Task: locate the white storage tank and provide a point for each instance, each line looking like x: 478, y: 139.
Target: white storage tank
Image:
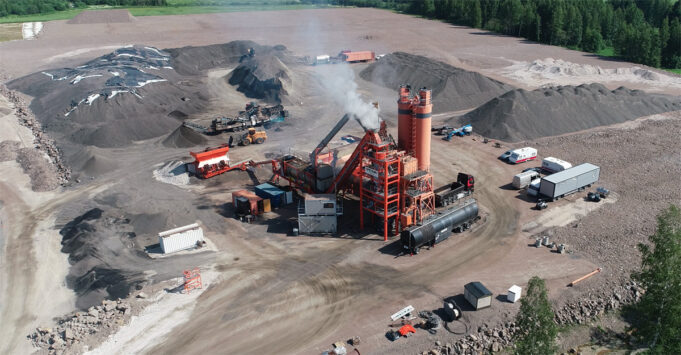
x: 513, y: 294
x: 180, y: 238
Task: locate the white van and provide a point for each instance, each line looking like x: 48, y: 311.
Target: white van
x: 523, y: 180
x: 533, y: 189
x: 554, y: 165
x: 522, y: 155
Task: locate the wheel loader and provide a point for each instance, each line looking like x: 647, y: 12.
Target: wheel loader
x: 253, y: 136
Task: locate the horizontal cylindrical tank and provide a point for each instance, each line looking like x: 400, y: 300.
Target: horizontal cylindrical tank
x: 439, y: 227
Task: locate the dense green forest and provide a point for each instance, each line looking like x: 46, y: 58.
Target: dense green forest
x: 29, y: 7
x: 641, y: 31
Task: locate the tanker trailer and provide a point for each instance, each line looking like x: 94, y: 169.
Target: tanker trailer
x: 439, y: 226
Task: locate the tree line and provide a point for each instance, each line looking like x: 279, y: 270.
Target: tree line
x: 640, y: 31
x: 31, y: 7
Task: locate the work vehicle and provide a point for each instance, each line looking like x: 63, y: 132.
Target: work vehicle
x: 603, y: 192
x: 541, y: 205
x: 462, y: 131
x: 536, y: 168
x: 522, y: 155
x: 523, y: 180
x: 253, y: 136
x: 553, y: 165
x: 593, y: 197
x: 569, y: 181
x: 533, y: 188
x: 439, y: 227
x: 505, y: 155
x: 345, y: 56
x: 253, y: 116
x: 448, y: 194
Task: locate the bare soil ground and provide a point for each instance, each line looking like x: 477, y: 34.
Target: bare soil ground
x: 276, y: 293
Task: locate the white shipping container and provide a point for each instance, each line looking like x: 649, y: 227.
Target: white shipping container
x: 554, y: 165
x: 181, y: 238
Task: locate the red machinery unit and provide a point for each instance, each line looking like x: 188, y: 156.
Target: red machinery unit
x: 355, y: 57
x: 414, y: 124
x: 215, y: 161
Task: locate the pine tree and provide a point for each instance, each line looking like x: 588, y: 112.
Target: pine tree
x: 535, y: 320
x: 658, y: 312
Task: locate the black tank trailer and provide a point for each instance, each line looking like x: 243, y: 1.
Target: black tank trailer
x: 439, y: 226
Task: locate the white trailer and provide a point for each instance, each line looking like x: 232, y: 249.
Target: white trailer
x: 522, y: 155
x: 569, y: 181
x: 523, y: 180
x: 554, y: 165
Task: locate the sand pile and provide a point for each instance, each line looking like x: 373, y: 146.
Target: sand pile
x: 194, y: 60
x: 548, y: 71
x: 8, y: 150
x: 92, y: 161
x: 173, y: 172
x: 184, y: 137
x: 453, y: 88
x: 521, y: 115
x: 111, y: 101
x: 102, y: 16
x: 262, y: 77
x: 38, y: 168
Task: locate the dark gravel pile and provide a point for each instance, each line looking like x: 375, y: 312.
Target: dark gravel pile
x: 184, y: 137
x: 520, y: 114
x: 453, y: 88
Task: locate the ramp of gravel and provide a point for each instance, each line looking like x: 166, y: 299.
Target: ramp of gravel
x: 102, y: 16
x: 453, y: 88
x: 521, y: 115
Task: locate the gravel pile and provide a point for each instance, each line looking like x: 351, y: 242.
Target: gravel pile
x: 174, y: 173
x: 42, y: 141
x: 38, y: 168
x: 453, y: 88
x: 102, y: 16
x: 262, y: 77
x: 184, y: 137
x: 520, y: 114
x: 194, y: 60
x: 8, y: 150
x: 81, y: 328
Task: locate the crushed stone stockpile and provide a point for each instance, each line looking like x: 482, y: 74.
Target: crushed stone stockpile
x: 184, y: 137
x: 38, y: 168
x: 111, y: 101
x: 102, y: 16
x: 262, y: 77
x: 8, y: 150
x: 453, y: 88
x: 521, y: 115
x: 105, y: 247
x: 194, y: 60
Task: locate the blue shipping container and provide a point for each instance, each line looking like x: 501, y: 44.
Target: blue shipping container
x: 276, y: 195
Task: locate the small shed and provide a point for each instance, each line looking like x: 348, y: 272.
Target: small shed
x: 181, y: 238
x: 513, y: 294
x: 477, y: 295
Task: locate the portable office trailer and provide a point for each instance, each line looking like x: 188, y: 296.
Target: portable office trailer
x: 569, y: 181
x: 522, y: 155
x: 181, y: 238
x: 477, y: 295
x: 321, y: 204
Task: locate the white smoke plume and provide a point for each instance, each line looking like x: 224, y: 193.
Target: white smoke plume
x: 339, y: 82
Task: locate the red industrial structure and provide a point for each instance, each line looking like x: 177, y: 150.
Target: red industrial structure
x: 192, y: 280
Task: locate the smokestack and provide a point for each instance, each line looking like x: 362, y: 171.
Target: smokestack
x: 421, y: 124
x: 404, y: 118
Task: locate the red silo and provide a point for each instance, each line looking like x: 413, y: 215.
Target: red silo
x: 422, y: 117
x: 404, y: 120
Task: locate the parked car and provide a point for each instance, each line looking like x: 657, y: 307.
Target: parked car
x: 536, y: 169
x: 506, y: 155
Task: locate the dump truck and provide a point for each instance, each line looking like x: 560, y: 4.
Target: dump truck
x: 569, y: 181
x: 253, y: 116
x: 448, y: 194
x: 253, y: 137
